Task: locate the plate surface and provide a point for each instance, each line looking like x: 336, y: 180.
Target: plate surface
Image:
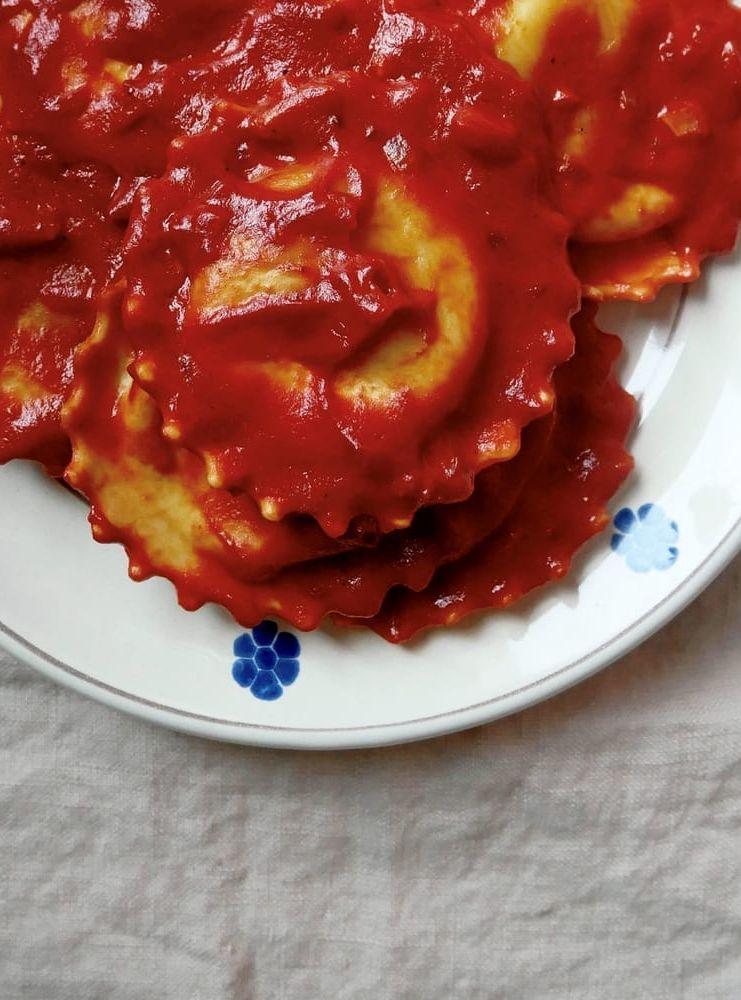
x: 68, y: 608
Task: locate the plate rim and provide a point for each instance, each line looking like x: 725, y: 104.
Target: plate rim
x: 392, y: 733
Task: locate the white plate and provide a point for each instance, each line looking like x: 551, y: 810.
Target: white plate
x: 68, y: 608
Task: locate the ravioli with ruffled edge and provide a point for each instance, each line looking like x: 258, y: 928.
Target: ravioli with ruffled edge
x: 563, y: 505
x: 313, y: 243
x: 333, y: 293
x: 90, y: 97
x: 153, y: 496
x: 643, y: 101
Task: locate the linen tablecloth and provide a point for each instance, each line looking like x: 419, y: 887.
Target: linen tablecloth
x: 589, y: 847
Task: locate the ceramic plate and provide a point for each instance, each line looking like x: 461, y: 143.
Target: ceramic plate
x: 68, y: 608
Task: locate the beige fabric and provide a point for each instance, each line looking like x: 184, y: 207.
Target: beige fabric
x: 589, y: 848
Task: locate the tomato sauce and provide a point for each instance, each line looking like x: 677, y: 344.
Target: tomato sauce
x: 342, y: 231
x: 563, y: 505
x: 146, y: 493
x: 58, y: 248
x: 646, y: 136
x: 347, y: 166
x: 76, y: 139
x: 112, y: 84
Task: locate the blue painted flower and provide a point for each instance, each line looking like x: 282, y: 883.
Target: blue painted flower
x: 646, y: 539
x: 267, y: 661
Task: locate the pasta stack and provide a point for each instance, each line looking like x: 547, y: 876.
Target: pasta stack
x: 301, y: 297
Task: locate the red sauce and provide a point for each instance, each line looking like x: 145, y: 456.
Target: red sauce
x: 406, y: 101
x: 113, y: 424
x: 57, y: 74
x: 562, y: 507
x: 137, y: 137
x: 518, y: 531
x: 420, y: 101
x: 667, y: 111
x: 297, y: 571
x: 665, y: 104
x: 677, y: 63
x: 57, y: 249
x: 73, y: 149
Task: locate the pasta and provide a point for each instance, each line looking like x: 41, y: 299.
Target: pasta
x: 153, y: 496
x: 301, y: 296
x: 400, y: 301
x: 56, y: 250
x: 643, y: 101
x: 585, y: 464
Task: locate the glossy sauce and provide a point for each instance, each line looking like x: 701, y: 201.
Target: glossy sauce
x: 562, y: 507
x: 58, y: 247
x: 283, y: 319
x: 74, y: 145
x: 147, y: 493
x: 646, y: 136
x: 139, y: 138
x: 411, y: 100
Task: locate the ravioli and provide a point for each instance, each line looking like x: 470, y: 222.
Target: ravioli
x: 643, y: 100
x: 563, y: 506
x: 56, y: 250
x: 154, y: 497
x: 312, y: 317
x: 91, y: 93
x: 107, y: 80
x: 288, y: 289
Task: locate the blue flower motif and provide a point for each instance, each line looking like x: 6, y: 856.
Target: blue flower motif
x: 267, y: 661
x: 646, y: 539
